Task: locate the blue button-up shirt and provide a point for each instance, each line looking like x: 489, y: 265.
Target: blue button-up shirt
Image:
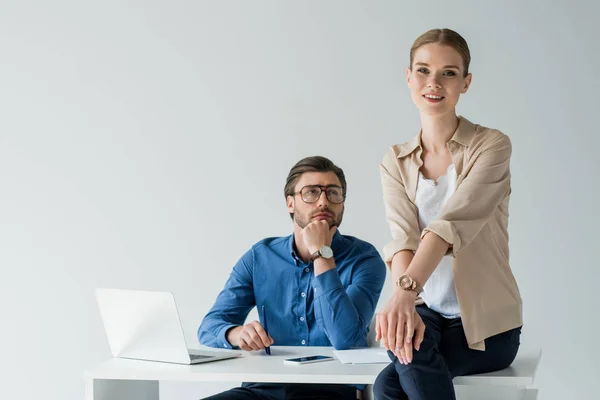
x: 334, y: 308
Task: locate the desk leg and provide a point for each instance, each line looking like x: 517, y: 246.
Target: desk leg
x: 367, y: 394
x: 113, y: 389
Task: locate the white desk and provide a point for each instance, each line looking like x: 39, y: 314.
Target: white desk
x: 117, y: 379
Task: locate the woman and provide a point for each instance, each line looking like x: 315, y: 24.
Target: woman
x: 455, y: 308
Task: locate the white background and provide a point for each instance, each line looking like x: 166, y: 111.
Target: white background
x: 145, y: 144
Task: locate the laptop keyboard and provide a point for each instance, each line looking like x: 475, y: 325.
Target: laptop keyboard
x: 198, y: 357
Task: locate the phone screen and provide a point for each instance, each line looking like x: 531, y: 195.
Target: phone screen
x: 311, y: 358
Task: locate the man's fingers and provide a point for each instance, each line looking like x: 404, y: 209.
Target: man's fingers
x: 265, y: 339
x: 257, y: 341
x: 332, y: 231
x: 262, y: 335
x: 244, y: 345
x: 248, y: 340
x: 253, y: 339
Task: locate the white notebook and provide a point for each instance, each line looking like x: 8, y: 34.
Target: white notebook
x: 370, y: 355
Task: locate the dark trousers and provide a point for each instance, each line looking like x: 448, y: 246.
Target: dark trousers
x: 287, y: 391
x: 443, y: 355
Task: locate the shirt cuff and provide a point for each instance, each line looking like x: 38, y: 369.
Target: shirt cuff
x: 396, y: 246
x: 446, y: 231
x: 222, y: 341
x: 326, y: 282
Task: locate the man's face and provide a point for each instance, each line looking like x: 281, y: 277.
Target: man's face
x: 322, y: 208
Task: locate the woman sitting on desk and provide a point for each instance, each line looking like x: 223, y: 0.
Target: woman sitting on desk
x: 446, y: 196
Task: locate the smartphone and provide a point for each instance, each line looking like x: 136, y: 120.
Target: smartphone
x: 307, y: 360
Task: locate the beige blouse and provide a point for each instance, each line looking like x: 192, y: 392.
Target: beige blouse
x: 474, y: 221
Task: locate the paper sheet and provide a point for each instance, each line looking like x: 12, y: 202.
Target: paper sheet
x: 370, y: 355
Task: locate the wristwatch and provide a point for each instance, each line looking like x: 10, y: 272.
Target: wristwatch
x: 324, y: 251
x: 407, y: 283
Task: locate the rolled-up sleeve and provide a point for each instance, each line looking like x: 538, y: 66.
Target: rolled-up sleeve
x: 469, y: 208
x: 401, y: 213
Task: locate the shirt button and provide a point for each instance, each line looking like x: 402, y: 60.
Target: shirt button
x: 301, y: 318
x: 303, y: 294
x: 306, y: 269
x: 315, y: 289
x: 224, y: 345
x: 303, y: 341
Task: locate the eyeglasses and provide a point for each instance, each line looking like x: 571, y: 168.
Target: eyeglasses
x: 312, y: 193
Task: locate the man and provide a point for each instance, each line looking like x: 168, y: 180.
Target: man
x: 317, y: 286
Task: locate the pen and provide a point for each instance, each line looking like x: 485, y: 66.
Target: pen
x: 264, y: 317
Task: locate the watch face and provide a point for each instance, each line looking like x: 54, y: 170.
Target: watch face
x: 326, y: 252
x: 406, y: 282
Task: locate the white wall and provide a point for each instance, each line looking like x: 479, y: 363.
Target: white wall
x: 146, y: 144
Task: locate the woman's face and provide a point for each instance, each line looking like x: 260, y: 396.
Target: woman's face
x: 436, y: 79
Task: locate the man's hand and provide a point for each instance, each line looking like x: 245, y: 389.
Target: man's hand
x: 251, y: 336
x: 317, y: 234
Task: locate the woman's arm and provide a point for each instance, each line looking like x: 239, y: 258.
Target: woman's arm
x: 427, y: 258
x: 401, y: 213
x: 403, y: 221
x: 400, y: 263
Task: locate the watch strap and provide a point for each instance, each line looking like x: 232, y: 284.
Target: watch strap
x: 316, y: 255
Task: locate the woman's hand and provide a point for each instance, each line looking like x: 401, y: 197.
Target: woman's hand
x: 400, y: 326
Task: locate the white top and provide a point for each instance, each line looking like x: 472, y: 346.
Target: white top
x: 439, y: 293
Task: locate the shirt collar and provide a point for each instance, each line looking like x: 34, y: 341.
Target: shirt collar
x: 295, y: 258
x: 464, y: 132
x: 463, y: 135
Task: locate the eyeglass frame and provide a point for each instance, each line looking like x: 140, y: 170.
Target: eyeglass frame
x: 322, y: 190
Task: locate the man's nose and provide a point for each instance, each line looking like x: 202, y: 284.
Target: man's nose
x: 323, y: 200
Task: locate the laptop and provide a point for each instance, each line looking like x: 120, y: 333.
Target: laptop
x: 145, y: 325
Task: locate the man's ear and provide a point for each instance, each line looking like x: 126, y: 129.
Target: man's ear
x: 290, y: 204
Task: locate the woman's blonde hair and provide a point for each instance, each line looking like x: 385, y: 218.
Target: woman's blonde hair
x: 445, y: 37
